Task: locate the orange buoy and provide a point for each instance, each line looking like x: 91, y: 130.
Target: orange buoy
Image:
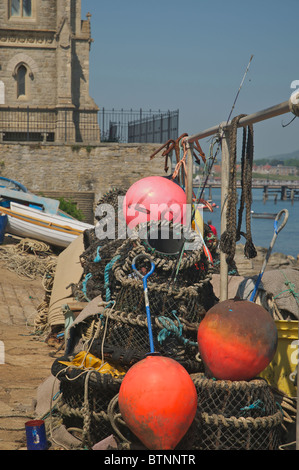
x: 154, y: 198
x: 158, y: 402
x: 237, y: 339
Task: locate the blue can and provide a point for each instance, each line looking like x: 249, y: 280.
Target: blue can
x: 36, y: 435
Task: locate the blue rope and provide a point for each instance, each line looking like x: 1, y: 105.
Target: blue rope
x: 258, y: 404
x: 97, y: 258
x: 86, y: 279
x: 106, y: 276
x: 171, y: 328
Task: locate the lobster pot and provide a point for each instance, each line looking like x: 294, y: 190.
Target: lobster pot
x: 125, y: 338
x: 182, y: 274
x: 85, y: 396
x: 170, y: 301
x: 176, y: 307
x: 100, y: 244
x: 95, y: 260
x: 237, y: 415
x: 175, y: 251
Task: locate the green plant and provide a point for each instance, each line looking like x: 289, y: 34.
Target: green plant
x: 70, y: 207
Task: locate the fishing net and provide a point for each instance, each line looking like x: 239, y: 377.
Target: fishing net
x: 237, y: 415
x: 85, y: 395
x: 179, y: 293
x: 100, y: 245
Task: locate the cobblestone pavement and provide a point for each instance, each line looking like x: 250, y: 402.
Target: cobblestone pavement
x: 19, y: 301
x: 25, y: 360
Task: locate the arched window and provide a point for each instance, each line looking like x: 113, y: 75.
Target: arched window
x: 21, y: 8
x: 21, y: 81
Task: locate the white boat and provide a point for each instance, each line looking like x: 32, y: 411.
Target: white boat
x: 54, y: 229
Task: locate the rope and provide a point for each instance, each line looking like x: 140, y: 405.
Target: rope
x: 260, y: 422
x: 291, y: 289
x: 232, y: 233
x: 98, y: 257
x: 84, y: 283
x: 106, y: 277
x: 257, y: 405
x: 182, y: 162
x: 246, y: 195
x: 28, y: 259
x: 171, y: 328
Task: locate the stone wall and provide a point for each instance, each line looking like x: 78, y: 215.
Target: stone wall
x: 78, y: 168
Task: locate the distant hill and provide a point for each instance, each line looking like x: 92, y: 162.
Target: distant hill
x: 288, y: 159
x: 282, y: 156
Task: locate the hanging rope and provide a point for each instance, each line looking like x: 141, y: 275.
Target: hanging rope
x: 246, y: 195
x: 233, y: 229
x: 182, y: 161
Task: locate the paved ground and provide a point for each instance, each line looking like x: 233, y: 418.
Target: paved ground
x: 26, y: 362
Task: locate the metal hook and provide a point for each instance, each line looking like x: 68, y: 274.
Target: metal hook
x: 276, y: 232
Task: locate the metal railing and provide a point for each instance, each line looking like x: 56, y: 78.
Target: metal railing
x: 138, y: 126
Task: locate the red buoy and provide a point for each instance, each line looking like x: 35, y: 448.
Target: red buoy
x: 158, y: 402
x: 237, y: 339
x: 154, y: 198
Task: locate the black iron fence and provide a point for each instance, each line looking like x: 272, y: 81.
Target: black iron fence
x: 51, y: 124
x: 138, y: 126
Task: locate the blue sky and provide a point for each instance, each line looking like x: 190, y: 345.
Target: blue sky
x: 191, y: 55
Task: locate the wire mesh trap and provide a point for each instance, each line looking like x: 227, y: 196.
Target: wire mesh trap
x: 176, y: 306
x: 99, y: 251
x: 85, y: 396
x: 237, y: 415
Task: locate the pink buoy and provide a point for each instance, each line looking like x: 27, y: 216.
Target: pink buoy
x: 158, y: 402
x: 154, y: 198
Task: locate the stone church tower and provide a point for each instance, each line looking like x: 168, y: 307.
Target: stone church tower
x: 44, y: 72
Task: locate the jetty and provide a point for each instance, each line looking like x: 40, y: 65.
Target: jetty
x: 284, y: 189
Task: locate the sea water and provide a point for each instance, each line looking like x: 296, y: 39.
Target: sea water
x: 262, y: 230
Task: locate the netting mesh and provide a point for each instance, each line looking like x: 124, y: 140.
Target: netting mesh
x: 179, y: 294
x: 98, y: 252
x: 237, y: 415
x: 86, y: 395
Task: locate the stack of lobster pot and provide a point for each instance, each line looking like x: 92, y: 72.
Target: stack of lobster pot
x: 179, y: 294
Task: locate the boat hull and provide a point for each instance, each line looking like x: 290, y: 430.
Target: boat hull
x: 52, y: 229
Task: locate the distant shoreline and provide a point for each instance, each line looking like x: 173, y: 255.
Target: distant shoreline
x: 256, y: 183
